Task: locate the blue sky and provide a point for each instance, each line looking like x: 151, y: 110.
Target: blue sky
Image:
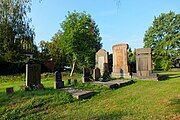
x: 119, y: 22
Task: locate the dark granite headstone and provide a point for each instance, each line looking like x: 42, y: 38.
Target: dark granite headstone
x: 10, y: 90
x: 33, y: 75
x: 58, y: 80
x: 96, y: 74
x: 86, y: 75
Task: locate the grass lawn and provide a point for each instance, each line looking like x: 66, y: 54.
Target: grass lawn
x: 144, y: 100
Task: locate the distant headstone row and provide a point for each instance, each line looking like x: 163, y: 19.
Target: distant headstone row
x: 120, y: 68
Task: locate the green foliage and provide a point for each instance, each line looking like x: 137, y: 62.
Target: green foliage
x: 44, y: 53
x: 164, y: 39
x: 80, y: 39
x: 131, y: 60
x: 139, y: 101
x: 131, y: 56
x: 55, y: 49
x: 16, y: 36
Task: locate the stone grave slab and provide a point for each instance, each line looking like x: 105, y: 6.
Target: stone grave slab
x: 79, y: 94
x: 110, y: 85
x: 114, y: 83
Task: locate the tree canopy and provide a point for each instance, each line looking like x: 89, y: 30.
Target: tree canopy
x: 80, y: 39
x: 16, y: 35
x: 164, y: 39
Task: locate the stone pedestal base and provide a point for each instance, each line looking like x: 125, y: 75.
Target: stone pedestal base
x: 144, y: 73
x: 59, y: 85
x: 85, y: 79
x: 151, y: 76
x: 120, y: 75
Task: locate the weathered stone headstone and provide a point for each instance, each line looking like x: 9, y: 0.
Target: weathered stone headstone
x: 143, y: 62
x: 102, y: 61
x: 58, y: 80
x: 96, y: 74
x: 144, y: 66
x: 106, y: 67
x: 120, y: 61
x: 86, y: 75
x: 10, y: 90
x: 33, y: 75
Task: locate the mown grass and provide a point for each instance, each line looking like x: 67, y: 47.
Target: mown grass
x: 144, y: 100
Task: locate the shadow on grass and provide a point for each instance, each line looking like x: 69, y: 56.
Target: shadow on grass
x: 109, y: 116
x: 175, y: 103
x: 29, y: 103
x: 131, y: 82
x: 21, y: 95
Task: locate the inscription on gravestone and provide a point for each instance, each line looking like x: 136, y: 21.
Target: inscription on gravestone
x: 58, y: 80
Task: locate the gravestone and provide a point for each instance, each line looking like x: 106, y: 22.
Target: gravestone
x: 144, y: 66
x: 143, y: 62
x: 96, y: 74
x: 120, y: 61
x: 10, y: 90
x: 102, y: 61
x: 86, y: 75
x: 78, y: 93
x: 58, y: 84
x: 33, y: 75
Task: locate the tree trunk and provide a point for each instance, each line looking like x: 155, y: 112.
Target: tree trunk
x: 72, y: 70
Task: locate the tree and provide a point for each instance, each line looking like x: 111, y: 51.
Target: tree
x: 16, y: 36
x: 164, y: 39
x: 132, y: 60
x: 44, y: 50
x: 131, y: 56
x: 55, y: 48
x: 80, y: 39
